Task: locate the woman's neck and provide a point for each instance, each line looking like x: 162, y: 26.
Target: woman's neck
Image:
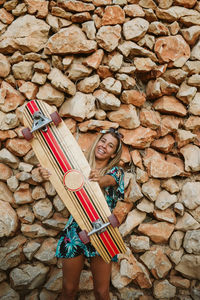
x: 100, y: 164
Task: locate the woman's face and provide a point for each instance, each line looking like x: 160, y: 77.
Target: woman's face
x: 106, y: 147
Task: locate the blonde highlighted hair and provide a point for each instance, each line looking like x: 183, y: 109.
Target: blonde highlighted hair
x: 113, y: 161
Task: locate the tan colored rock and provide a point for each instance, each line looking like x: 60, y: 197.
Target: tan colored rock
x: 125, y: 116
x: 32, y: 37
x: 117, y: 279
x: 121, y: 210
x: 152, y: 259
x: 96, y: 125
x: 150, y: 118
x: 61, y: 82
x: 140, y: 137
x: 130, y: 48
x: 189, y: 266
x: 108, y: 37
x: 94, y: 60
x: 113, y: 15
x: 191, y: 155
x: 5, y: 16
x: 29, y: 90
x: 165, y: 200
x: 184, y: 137
x: 191, y: 34
x: 25, y: 214
x: 36, y: 230
x: 186, y: 93
x: 8, y: 158
x: 139, y: 243
x: 164, y: 144
x: 163, y: 289
x: 76, y: 6
x: 158, y: 28
x: 151, y: 189
x: 5, y: 172
x: 176, y: 240
x: 74, y: 39
x: 167, y: 215
x: 107, y: 101
x: 4, y: 66
x: 18, y: 147
x: 166, y: 50
x: 133, y: 190
x: 11, y: 253
x: 192, y: 123
x: 39, y: 78
x: 137, y: 159
x: 133, y: 97
x: 186, y: 222
x: 145, y: 206
x: 12, y: 98
x: 169, y: 104
x: 185, y: 3
x: 90, y: 30
x: 43, y: 209
x: 192, y: 67
x: 111, y: 85
x: 127, y: 82
x: 31, y: 275
x: 191, y: 242
x: 50, y: 95
x: 79, y: 107
x: 134, y: 218
x: 176, y: 76
x: 134, y: 10
x: 194, y: 106
x: 46, y: 253
x: 160, y: 168
x: 135, y: 29
x: 169, y: 124
x: 8, y: 220
x: 38, y: 7
x: 23, y: 194
x: 6, y: 291
x: 80, y: 17
x: 190, y: 195
x: 174, y: 13
x: 89, y: 84
x: 179, y: 282
x: 141, y: 176
x: 170, y: 185
x: 158, y: 232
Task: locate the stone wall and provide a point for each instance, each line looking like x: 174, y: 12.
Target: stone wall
x: 132, y: 64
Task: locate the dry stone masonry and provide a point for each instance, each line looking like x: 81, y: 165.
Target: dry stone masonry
x: 129, y: 64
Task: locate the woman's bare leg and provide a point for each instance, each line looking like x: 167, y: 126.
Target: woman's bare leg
x: 101, y: 272
x: 72, y: 268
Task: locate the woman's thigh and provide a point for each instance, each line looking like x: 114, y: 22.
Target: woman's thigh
x: 72, y: 268
x: 101, y: 272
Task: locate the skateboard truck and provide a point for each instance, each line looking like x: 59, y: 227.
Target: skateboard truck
x: 98, y: 227
x: 40, y: 121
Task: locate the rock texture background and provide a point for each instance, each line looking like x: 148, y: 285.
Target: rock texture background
x: 132, y: 64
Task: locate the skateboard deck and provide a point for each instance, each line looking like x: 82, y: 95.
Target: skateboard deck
x: 58, y: 151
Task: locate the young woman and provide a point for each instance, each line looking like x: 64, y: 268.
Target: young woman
x: 103, y: 158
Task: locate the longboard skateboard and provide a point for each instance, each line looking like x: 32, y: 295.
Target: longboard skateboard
x: 58, y: 151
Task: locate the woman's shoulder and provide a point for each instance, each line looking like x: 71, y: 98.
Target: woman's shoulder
x: 116, y: 170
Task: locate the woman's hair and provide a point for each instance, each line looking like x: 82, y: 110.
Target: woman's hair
x: 113, y: 161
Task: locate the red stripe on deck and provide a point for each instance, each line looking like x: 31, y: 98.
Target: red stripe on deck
x: 110, y: 245
x: 86, y: 202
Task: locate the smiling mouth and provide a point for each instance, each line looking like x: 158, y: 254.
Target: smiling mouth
x: 100, y: 151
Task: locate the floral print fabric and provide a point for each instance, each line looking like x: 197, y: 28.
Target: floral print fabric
x: 69, y: 244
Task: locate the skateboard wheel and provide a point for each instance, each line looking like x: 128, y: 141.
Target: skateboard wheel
x: 27, y: 134
x: 55, y: 118
x: 83, y: 235
x: 113, y: 221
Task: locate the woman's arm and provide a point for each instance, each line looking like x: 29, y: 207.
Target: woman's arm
x: 103, y: 181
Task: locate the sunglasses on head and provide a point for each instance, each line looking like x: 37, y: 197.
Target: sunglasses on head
x: 113, y: 131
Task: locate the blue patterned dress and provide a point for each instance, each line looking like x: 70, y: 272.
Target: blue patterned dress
x: 69, y: 244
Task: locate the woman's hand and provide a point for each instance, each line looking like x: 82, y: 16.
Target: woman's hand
x: 94, y: 175
x: 45, y: 173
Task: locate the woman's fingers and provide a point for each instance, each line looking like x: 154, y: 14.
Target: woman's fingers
x: 45, y: 173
